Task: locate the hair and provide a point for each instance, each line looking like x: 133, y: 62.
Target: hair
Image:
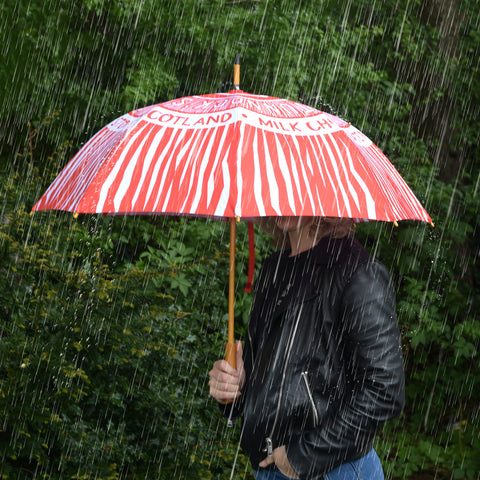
x: 321, y: 227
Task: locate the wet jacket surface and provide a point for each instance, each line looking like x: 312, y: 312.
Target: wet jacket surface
x: 322, y: 357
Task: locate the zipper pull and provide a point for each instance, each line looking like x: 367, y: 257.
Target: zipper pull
x: 269, y: 447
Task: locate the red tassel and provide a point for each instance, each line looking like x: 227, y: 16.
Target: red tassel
x: 251, y: 258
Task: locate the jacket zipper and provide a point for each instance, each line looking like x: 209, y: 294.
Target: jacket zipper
x: 310, y: 396
x: 269, y: 444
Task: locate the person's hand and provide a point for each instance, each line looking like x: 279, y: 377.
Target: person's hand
x: 279, y: 457
x: 226, y: 383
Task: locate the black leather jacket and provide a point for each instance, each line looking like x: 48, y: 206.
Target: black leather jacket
x: 322, y: 357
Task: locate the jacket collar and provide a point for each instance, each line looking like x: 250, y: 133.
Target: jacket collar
x: 329, y: 250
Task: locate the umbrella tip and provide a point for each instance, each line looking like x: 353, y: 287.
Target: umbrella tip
x: 236, y: 72
x: 432, y: 224
x: 75, y: 215
x: 395, y: 223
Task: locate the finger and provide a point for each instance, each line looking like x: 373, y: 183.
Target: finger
x: 266, y: 462
x: 222, y: 377
x: 223, y: 395
x: 239, y: 352
x: 223, y: 398
x: 224, y: 386
x: 224, y: 366
x: 224, y: 390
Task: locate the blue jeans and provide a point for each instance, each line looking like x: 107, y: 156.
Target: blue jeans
x: 365, y: 468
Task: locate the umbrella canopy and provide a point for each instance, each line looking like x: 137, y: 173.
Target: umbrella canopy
x: 232, y: 155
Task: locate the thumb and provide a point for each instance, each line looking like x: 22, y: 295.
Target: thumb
x: 240, y: 369
x: 239, y: 348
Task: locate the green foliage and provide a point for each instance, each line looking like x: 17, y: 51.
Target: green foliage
x: 109, y: 326
x: 102, y: 374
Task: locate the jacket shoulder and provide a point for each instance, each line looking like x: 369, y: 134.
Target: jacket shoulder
x: 342, y: 252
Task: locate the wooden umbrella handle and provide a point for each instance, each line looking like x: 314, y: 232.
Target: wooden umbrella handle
x: 230, y: 349
x: 231, y: 354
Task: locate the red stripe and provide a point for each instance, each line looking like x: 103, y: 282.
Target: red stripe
x: 92, y: 195
x: 249, y: 174
x: 214, y: 170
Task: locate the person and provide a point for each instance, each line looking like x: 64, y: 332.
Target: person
x: 322, y: 366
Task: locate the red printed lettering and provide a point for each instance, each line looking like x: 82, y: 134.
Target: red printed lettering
x: 264, y: 123
x: 319, y: 124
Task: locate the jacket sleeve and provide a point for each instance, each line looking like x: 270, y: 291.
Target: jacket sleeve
x: 375, y: 366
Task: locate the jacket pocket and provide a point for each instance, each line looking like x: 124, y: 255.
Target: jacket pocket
x: 310, y: 398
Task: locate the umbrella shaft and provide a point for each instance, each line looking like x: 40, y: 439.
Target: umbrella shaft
x: 231, y: 285
x: 230, y: 350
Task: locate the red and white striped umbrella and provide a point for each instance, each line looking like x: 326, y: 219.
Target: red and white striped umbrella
x: 232, y: 155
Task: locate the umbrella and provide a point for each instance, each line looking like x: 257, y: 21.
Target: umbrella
x: 232, y: 156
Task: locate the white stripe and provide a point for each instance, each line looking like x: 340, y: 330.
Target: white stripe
x: 337, y: 183
x: 193, y: 163
x: 83, y: 174
x: 211, y: 183
x: 293, y: 167
x: 158, y: 167
x: 342, y: 165
x: 383, y: 180
x: 257, y: 180
x: 238, y: 205
x: 152, y: 149
x: 321, y: 161
x: 368, y: 197
x: 223, y: 201
x: 203, y: 166
x: 305, y: 177
x: 271, y: 180
x: 115, y: 171
x: 127, y: 176
x: 282, y: 162
x: 78, y: 171
x: 158, y: 162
